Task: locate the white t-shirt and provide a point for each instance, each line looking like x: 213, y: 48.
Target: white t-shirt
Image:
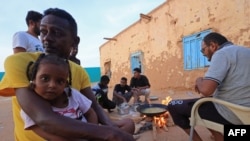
x: 27, y: 41
x: 78, y: 105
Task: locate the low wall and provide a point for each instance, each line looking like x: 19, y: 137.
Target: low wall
x: 93, y: 72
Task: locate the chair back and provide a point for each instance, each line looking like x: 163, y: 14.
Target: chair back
x: 242, y: 112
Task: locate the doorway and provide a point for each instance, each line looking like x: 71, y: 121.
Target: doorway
x: 136, y: 61
x: 107, y: 69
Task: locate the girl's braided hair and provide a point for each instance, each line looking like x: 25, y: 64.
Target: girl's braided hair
x: 33, y: 67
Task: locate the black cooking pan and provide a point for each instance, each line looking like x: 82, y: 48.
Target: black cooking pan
x: 152, y: 109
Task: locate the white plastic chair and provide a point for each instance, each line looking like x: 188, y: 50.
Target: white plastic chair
x: 243, y: 113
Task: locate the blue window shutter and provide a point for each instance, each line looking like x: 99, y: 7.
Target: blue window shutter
x: 193, y: 58
x: 202, y: 59
x: 190, y: 53
x: 135, y: 60
x: 187, y: 55
x: 193, y: 48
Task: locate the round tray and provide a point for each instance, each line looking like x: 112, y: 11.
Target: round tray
x: 153, y: 97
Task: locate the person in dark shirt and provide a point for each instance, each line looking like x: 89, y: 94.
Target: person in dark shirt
x: 122, y: 92
x: 101, y: 92
x: 140, y: 86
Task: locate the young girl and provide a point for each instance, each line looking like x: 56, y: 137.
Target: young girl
x: 50, y: 78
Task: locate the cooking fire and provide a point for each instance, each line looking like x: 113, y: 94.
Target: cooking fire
x: 154, y: 116
x: 161, y: 121
x: 154, y: 123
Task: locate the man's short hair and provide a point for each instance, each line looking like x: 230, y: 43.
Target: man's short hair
x: 137, y: 70
x: 215, y: 37
x: 105, y: 78
x: 33, y: 16
x: 64, y: 15
x: 124, y: 78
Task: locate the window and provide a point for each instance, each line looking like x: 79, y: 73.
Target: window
x: 193, y: 58
x: 136, y: 60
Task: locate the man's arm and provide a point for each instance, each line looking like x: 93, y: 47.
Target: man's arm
x: 91, y: 116
x: 132, y: 84
x: 18, y: 49
x: 205, y: 87
x: 115, y: 93
x: 46, y: 135
x: 128, y: 88
x: 119, y: 96
x: 41, y: 113
x: 145, y: 83
x: 102, y: 117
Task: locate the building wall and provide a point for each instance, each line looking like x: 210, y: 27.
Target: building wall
x: 160, y: 39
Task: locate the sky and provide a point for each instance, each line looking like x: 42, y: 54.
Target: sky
x: 96, y: 19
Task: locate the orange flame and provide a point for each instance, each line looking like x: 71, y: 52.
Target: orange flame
x: 166, y: 100
x: 160, y: 121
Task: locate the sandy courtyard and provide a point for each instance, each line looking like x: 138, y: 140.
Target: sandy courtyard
x: 174, y: 133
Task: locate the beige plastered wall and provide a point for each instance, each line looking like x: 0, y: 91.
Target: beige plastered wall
x: 160, y: 39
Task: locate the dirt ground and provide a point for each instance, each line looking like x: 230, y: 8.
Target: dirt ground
x: 174, y: 133
x: 6, y: 120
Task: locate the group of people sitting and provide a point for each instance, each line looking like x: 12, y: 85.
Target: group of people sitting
x: 50, y: 93
x: 122, y: 93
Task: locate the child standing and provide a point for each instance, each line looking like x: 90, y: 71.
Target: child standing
x: 50, y: 78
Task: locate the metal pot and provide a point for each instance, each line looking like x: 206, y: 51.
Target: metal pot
x: 123, y: 109
x: 145, y: 108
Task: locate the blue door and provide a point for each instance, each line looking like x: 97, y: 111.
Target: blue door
x: 136, y: 61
